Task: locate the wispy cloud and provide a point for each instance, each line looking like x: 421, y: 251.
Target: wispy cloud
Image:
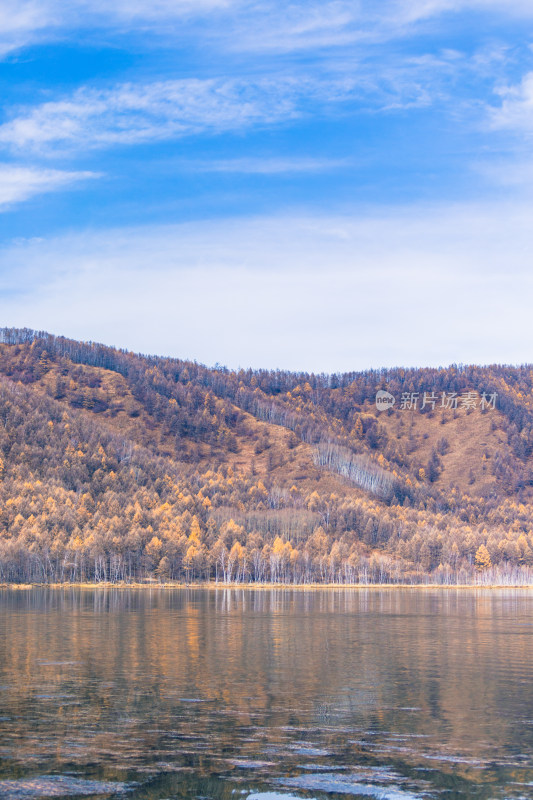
x: 281, y: 27
x: 516, y: 109
x: 410, y: 11
x: 19, y: 22
x: 19, y: 183
x: 514, y: 173
x: 278, y: 27
x: 23, y: 22
x: 270, y: 25
x: 137, y: 113
x: 413, y: 286
x: 232, y: 24
x: 157, y: 9
x: 269, y: 166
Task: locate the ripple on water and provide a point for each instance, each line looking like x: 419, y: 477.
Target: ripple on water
x: 379, y: 783
x: 57, y: 786
x: 272, y: 796
x: 305, y: 749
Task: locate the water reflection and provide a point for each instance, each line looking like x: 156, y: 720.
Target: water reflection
x: 229, y: 692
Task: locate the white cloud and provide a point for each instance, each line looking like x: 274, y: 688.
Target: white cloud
x: 24, y: 22
x: 234, y: 24
x: 277, y: 27
x: 280, y: 27
x: 164, y: 110
x: 516, y: 109
x: 18, y: 183
x: 19, y: 22
x: 410, y: 11
x: 269, y: 166
x: 156, y: 9
x: 418, y: 286
x: 267, y: 25
x: 131, y: 114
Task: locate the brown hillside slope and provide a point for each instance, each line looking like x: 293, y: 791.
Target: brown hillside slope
x: 305, y: 461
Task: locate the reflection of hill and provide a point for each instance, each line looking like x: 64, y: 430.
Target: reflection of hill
x: 118, y: 682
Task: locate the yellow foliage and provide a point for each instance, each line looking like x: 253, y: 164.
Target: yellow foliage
x: 482, y: 559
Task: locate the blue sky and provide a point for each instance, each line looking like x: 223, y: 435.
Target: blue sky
x: 322, y: 186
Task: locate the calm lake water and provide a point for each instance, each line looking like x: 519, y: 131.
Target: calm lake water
x: 265, y: 695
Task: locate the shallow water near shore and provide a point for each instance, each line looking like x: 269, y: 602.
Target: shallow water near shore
x: 266, y: 695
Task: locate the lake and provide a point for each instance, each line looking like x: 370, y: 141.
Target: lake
x: 266, y: 694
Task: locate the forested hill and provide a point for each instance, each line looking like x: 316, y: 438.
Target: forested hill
x: 116, y: 466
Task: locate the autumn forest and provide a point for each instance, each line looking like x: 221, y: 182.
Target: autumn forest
x: 117, y: 467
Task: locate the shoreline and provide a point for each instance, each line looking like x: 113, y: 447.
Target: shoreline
x: 263, y: 586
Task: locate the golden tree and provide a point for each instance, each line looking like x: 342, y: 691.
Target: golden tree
x: 482, y: 559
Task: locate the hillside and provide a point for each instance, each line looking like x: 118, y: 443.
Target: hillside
x: 117, y: 466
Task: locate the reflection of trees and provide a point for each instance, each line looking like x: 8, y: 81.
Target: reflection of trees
x: 122, y: 672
